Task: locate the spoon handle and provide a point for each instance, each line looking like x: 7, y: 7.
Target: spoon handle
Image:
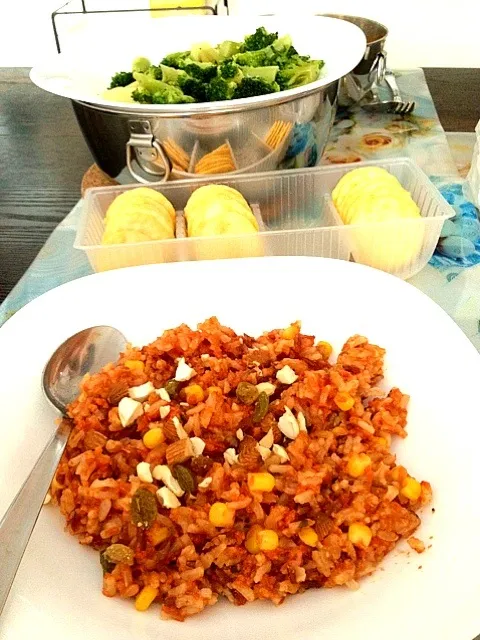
x: 18, y: 522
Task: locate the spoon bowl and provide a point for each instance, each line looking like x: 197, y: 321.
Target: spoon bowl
x: 85, y: 352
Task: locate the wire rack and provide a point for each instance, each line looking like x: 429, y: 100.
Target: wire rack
x: 79, y: 7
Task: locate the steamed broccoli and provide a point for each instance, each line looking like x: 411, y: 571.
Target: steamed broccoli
x: 250, y: 87
x: 261, y: 58
x: 142, y: 96
x: 298, y: 73
x: 259, y: 40
x: 155, y: 91
x: 121, y: 79
x: 229, y: 70
x: 227, y: 49
x: 269, y: 74
x: 176, y: 60
x: 171, y: 75
x: 204, y: 52
x: 220, y: 89
x: 203, y: 71
x: 194, y: 88
x: 141, y: 64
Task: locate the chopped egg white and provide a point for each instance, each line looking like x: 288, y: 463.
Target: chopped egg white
x: 266, y: 387
x: 286, y: 375
x: 267, y: 440
x: 198, y: 445
x: 239, y: 434
x: 281, y: 452
x: 141, y: 392
x: 163, y: 394
x: 184, y: 372
x: 162, y: 472
x: 129, y: 410
x: 143, y: 472
x: 206, y: 482
x: 181, y: 433
x: 288, y: 424
x: 230, y: 456
x: 263, y: 451
x: 302, y: 423
x: 47, y: 499
x: 167, y: 498
x: 164, y: 411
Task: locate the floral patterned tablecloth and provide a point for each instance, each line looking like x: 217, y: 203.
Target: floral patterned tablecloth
x: 452, y: 278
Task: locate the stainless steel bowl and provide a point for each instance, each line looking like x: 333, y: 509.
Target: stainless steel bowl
x: 140, y: 140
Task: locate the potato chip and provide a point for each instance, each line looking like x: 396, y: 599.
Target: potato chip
x: 219, y: 208
x: 210, y: 192
x: 232, y: 224
x: 177, y: 155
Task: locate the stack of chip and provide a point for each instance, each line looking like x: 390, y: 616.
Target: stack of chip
x: 219, y: 160
x: 139, y: 215
x: 277, y: 133
x: 178, y: 157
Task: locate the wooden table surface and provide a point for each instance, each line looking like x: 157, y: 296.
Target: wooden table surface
x: 43, y: 157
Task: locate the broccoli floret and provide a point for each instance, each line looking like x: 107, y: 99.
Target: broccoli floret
x: 229, y: 70
x: 227, y: 49
x: 269, y: 74
x: 282, y: 44
x: 220, y: 89
x: 262, y: 58
x: 143, y: 96
x: 296, y: 75
x: 204, y: 52
x: 250, y: 87
x: 170, y: 95
x: 259, y: 40
x: 141, y: 64
x: 121, y: 79
x: 194, y: 88
x: 171, y: 75
x: 176, y: 60
x: 203, y: 71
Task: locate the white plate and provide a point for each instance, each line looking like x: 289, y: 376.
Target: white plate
x: 85, y: 74
x: 57, y: 592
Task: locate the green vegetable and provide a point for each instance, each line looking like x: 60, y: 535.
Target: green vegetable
x: 268, y: 74
x: 172, y: 75
x: 220, y: 89
x: 204, y: 52
x: 143, y: 509
x: 141, y: 64
x: 298, y: 73
x: 246, y: 393
x: 261, y: 408
x: 250, y: 87
x: 227, y: 49
x: 121, y: 79
x: 263, y: 63
x: 259, y: 40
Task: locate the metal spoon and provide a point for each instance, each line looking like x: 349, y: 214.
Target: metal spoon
x: 85, y: 352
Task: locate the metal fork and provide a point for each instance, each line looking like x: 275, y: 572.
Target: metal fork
x: 397, y: 105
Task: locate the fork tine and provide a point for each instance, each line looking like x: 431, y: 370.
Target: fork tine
x: 412, y: 107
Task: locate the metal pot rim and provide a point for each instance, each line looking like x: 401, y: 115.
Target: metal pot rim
x: 345, y: 16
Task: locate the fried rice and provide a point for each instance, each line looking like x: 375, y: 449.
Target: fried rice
x: 247, y: 492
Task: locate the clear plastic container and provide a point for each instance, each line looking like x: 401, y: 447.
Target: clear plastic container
x: 298, y: 217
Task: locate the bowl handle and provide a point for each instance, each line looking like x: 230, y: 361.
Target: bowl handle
x: 143, y: 142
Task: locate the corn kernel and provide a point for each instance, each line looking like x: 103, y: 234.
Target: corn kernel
x: 291, y: 332
x: 399, y: 474
x: 220, y: 515
x: 252, y: 543
x: 357, y: 464
x: 381, y: 442
x: 359, y: 534
x: 145, y: 598
x: 135, y: 365
x: 194, y: 394
x: 267, y: 540
x: 262, y: 481
x: 308, y: 536
x: 411, y: 489
x: 344, y: 401
x: 325, y: 349
x: 153, y: 438
x: 157, y: 534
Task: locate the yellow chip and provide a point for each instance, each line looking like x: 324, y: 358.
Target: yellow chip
x: 142, y: 220
x: 178, y: 156
x: 232, y: 224
x: 224, y: 208
x: 210, y: 192
x: 362, y: 175
x: 140, y: 195
x: 367, y: 198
